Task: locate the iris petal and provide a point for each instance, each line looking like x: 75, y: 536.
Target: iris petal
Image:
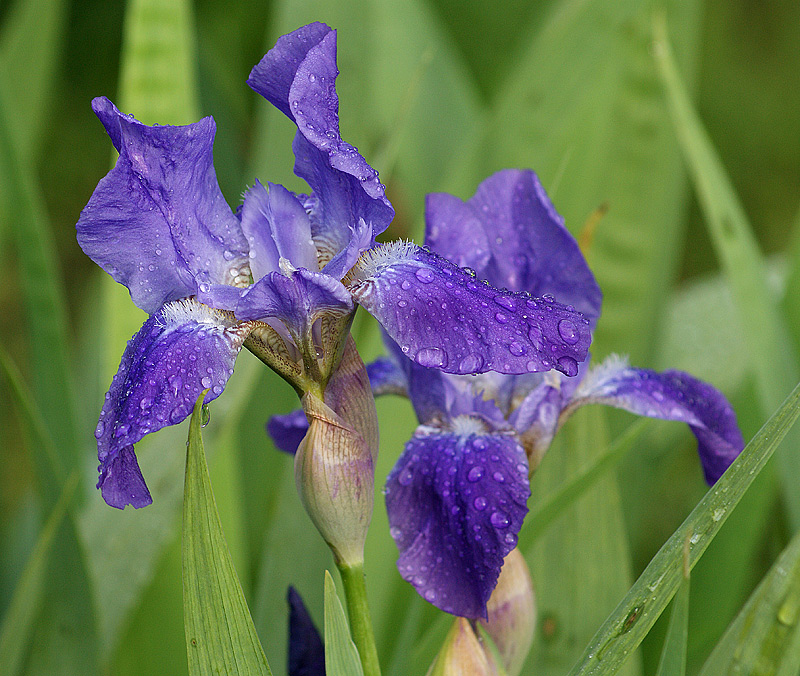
x: 455, y: 506
x: 287, y: 431
x: 306, y: 651
x: 670, y: 395
x: 179, y: 351
x: 444, y: 318
x: 516, y: 240
x: 158, y: 218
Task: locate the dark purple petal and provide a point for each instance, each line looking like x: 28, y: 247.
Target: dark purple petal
x: 455, y: 506
x: 287, y: 431
x: 121, y: 481
x: 277, y: 226
x: 297, y: 298
x: 158, y: 218
x: 385, y: 377
x: 306, y: 651
x: 444, y: 318
x: 515, y: 239
x: 180, y: 351
x: 670, y: 395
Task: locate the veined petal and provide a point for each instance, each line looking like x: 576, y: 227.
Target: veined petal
x: 670, y: 395
x: 298, y: 76
x: 306, y: 651
x: 277, y: 226
x: 158, y: 218
x: 455, y: 505
x: 298, y: 298
x: 517, y: 240
x: 288, y: 430
x: 444, y: 318
x: 181, y: 350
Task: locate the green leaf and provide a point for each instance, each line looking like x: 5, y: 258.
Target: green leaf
x: 765, y: 334
x: 220, y: 635
x: 765, y: 636
x: 673, y: 655
x: 18, y: 622
x: 341, y: 656
x: 583, y: 108
x: 625, y: 628
x: 582, y: 564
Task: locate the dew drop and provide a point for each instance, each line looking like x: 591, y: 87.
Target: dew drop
x: 471, y: 363
x: 511, y: 539
x: 568, y: 331
x: 98, y: 431
x: 402, y: 303
x: 479, y: 503
x: 498, y: 477
x: 205, y: 381
x: 568, y: 366
x: 424, y: 275
x: 535, y: 334
x: 475, y: 474
x: 406, y: 477
x: 431, y: 357
x: 395, y: 532
x: 501, y: 318
x: 506, y: 302
x: 517, y: 348
x: 405, y: 285
x: 499, y: 520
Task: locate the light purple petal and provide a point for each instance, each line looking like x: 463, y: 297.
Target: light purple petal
x: 158, y: 218
x: 287, y: 431
x: 298, y: 76
x: 180, y: 351
x: 455, y: 505
x: 444, y: 318
x: 670, y: 395
x: 276, y: 226
x: 516, y: 240
x: 297, y: 298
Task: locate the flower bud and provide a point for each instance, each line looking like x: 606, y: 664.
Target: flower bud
x: 512, y: 613
x: 334, y: 464
x: 462, y: 653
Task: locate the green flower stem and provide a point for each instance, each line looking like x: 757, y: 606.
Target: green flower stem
x: 355, y: 591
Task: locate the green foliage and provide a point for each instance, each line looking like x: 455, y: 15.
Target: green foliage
x: 341, y: 656
x: 696, y: 159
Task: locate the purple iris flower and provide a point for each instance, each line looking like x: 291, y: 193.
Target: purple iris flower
x: 456, y: 498
x: 283, y: 275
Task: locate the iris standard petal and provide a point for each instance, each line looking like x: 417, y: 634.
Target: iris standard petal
x: 288, y: 430
x: 181, y: 350
x: 297, y: 297
x: 444, y: 318
x: 385, y: 377
x: 159, y: 218
x: 306, y: 651
x: 455, y: 506
x: 276, y: 226
x: 524, y: 245
x: 669, y: 395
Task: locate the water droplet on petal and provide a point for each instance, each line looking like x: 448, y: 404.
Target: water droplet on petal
x: 501, y: 318
x: 568, y: 366
x: 535, y: 334
x: 406, y: 477
x: 431, y: 357
x: 475, y: 474
x: 499, y: 520
x: 205, y: 415
x: 479, y: 503
x: 98, y: 431
x: 424, y: 275
x: 506, y: 302
x: 517, y: 349
x: 498, y: 477
x: 205, y: 381
x: 472, y: 363
x: 405, y: 285
x: 568, y: 331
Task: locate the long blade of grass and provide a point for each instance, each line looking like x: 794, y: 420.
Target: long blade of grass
x: 220, y: 635
x: 673, y: 654
x: 625, y: 628
x: 774, y: 365
x: 341, y: 655
x: 18, y: 623
x: 765, y: 636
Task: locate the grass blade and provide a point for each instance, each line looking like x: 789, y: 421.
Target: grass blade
x: 673, y: 655
x: 220, y: 635
x: 18, y: 623
x: 341, y: 656
x: 765, y: 333
x: 765, y: 636
x: 625, y: 628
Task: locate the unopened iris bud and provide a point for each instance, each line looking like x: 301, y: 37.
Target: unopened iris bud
x: 334, y: 465
x: 512, y: 613
x: 463, y: 653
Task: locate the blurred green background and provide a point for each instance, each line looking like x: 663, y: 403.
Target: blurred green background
x: 437, y: 94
